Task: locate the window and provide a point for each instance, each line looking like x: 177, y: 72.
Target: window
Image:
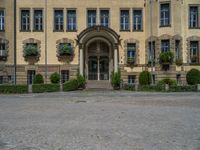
x: 131, y: 50
x: 124, y: 20
x: 2, y: 20
x: 58, y: 20
x: 104, y: 18
x: 152, y: 51
x: 177, y: 48
x: 193, y: 17
x: 1, y: 79
x: 165, y: 46
x: 38, y: 20
x: 71, y: 20
x: 25, y: 20
x: 64, y: 75
x: 194, y: 52
x: 178, y: 79
x: 165, y: 14
x: 131, y: 79
x: 91, y: 18
x: 137, y: 20
x: 3, y: 52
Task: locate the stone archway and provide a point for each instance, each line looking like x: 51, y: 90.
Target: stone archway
x: 98, y: 36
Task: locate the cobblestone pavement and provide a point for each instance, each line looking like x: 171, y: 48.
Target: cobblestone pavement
x: 100, y: 120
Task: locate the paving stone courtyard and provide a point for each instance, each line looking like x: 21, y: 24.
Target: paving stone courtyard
x: 100, y: 120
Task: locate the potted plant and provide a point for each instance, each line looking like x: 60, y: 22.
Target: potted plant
x: 179, y: 62
x: 166, y: 57
x: 116, y: 80
x: 65, y: 49
x: 131, y: 60
x: 31, y: 53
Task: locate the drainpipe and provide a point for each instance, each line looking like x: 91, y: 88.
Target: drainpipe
x: 46, y: 69
x: 14, y: 41
x: 151, y: 34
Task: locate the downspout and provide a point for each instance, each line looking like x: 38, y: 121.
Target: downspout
x: 46, y: 69
x: 15, y: 37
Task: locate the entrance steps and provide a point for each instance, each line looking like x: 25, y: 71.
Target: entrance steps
x: 101, y: 84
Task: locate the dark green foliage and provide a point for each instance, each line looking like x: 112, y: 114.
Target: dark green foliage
x: 55, y: 78
x: 167, y: 81
x: 129, y: 87
x: 6, y: 89
x: 193, y: 77
x: 190, y: 88
x: 38, y: 79
x: 30, y: 50
x: 41, y: 88
x: 81, y: 81
x: 65, y: 49
x: 145, y: 78
x: 166, y: 57
x: 116, y: 80
x: 179, y: 62
x: 70, y: 85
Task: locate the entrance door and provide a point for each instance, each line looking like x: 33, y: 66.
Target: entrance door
x: 30, y: 76
x: 92, y: 68
x: 104, y: 68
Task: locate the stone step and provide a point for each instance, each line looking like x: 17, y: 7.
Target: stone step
x: 101, y: 84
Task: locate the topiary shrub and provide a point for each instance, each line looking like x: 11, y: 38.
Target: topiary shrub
x: 168, y: 81
x: 116, y: 80
x: 193, y: 77
x: 81, y: 81
x: 38, y: 79
x: 41, y: 88
x: 70, y: 85
x: 55, y: 78
x: 145, y: 78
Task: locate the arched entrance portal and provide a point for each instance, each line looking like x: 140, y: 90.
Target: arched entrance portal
x: 98, y: 52
x: 99, y: 61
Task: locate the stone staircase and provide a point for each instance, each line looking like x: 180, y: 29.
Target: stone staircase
x: 98, y: 85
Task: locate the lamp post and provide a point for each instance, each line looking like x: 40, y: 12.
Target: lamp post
x: 151, y: 49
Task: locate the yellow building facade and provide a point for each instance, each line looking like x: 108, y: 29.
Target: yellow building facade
x: 98, y: 37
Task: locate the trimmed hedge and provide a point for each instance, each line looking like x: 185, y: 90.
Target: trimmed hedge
x: 193, y: 77
x: 71, y: 85
x: 55, y: 78
x: 13, y: 89
x: 41, y: 88
x: 188, y: 88
x: 150, y: 88
x: 145, y: 78
x: 38, y: 79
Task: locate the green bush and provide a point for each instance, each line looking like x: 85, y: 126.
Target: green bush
x: 81, y: 81
x: 145, y: 78
x: 38, y: 79
x: 70, y: 85
x: 129, y: 87
x: 190, y: 88
x: 55, y: 78
x: 30, y: 50
x: 168, y: 81
x: 116, y: 80
x: 41, y: 88
x: 166, y: 57
x: 193, y: 77
x: 6, y: 89
x: 65, y: 49
x: 179, y: 62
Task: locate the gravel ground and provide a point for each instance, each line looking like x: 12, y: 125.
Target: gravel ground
x: 100, y: 120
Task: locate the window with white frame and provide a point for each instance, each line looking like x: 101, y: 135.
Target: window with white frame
x: 165, y: 46
x: 58, y: 20
x: 152, y: 53
x: 71, y: 20
x: 165, y: 14
x: 131, y: 79
x: 194, y: 51
x: 137, y: 20
x: 2, y: 20
x: 38, y: 20
x: 91, y: 18
x: 193, y: 13
x: 131, y: 50
x: 104, y: 17
x: 177, y: 48
x: 25, y: 20
x: 124, y: 20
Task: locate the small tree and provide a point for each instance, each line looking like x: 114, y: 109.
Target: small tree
x: 145, y: 78
x: 55, y: 78
x: 81, y: 81
x: 116, y: 80
x: 38, y: 79
x: 193, y: 77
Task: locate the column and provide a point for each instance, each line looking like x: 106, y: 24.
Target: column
x: 115, y: 59
x: 81, y: 61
